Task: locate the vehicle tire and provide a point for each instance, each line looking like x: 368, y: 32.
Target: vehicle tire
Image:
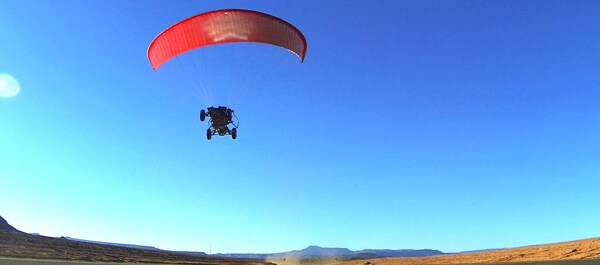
x: 229, y: 115
x: 208, y: 134
x: 202, y: 115
x: 234, y: 133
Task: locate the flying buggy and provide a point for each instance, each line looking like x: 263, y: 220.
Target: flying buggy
x: 220, y: 118
x: 218, y: 27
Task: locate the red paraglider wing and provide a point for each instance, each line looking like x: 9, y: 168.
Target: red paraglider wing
x: 223, y: 26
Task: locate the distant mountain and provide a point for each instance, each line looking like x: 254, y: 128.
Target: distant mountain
x: 318, y: 252
x: 112, y: 244
x: 194, y: 253
x: 309, y: 252
x: 4, y: 226
x: 23, y: 245
x: 306, y: 253
x: 321, y: 252
x: 242, y: 255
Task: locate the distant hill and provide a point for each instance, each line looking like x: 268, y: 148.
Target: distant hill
x: 322, y: 252
x: 306, y: 253
x: 309, y: 252
x: 197, y: 253
x: 318, y: 252
x: 16, y: 244
x: 112, y: 244
x: 4, y: 226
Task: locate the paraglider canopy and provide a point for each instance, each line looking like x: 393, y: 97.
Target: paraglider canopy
x: 225, y: 26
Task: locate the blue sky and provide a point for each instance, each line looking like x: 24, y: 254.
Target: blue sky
x: 452, y: 125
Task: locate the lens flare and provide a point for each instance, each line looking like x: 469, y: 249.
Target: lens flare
x: 9, y: 87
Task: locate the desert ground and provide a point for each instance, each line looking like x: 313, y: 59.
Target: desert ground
x: 16, y: 261
x: 586, y: 249
x: 17, y: 248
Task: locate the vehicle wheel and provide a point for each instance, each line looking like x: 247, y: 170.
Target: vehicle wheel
x: 202, y: 115
x: 234, y: 133
x: 229, y: 115
x: 208, y: 134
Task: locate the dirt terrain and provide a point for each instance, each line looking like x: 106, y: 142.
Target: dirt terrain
x: 16, y: 244
x: 21, y: 245
x: 572, y: 250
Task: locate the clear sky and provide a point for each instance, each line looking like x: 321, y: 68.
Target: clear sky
x: 453, y: 125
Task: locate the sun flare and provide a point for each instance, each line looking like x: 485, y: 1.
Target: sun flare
x: 9, y: 86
